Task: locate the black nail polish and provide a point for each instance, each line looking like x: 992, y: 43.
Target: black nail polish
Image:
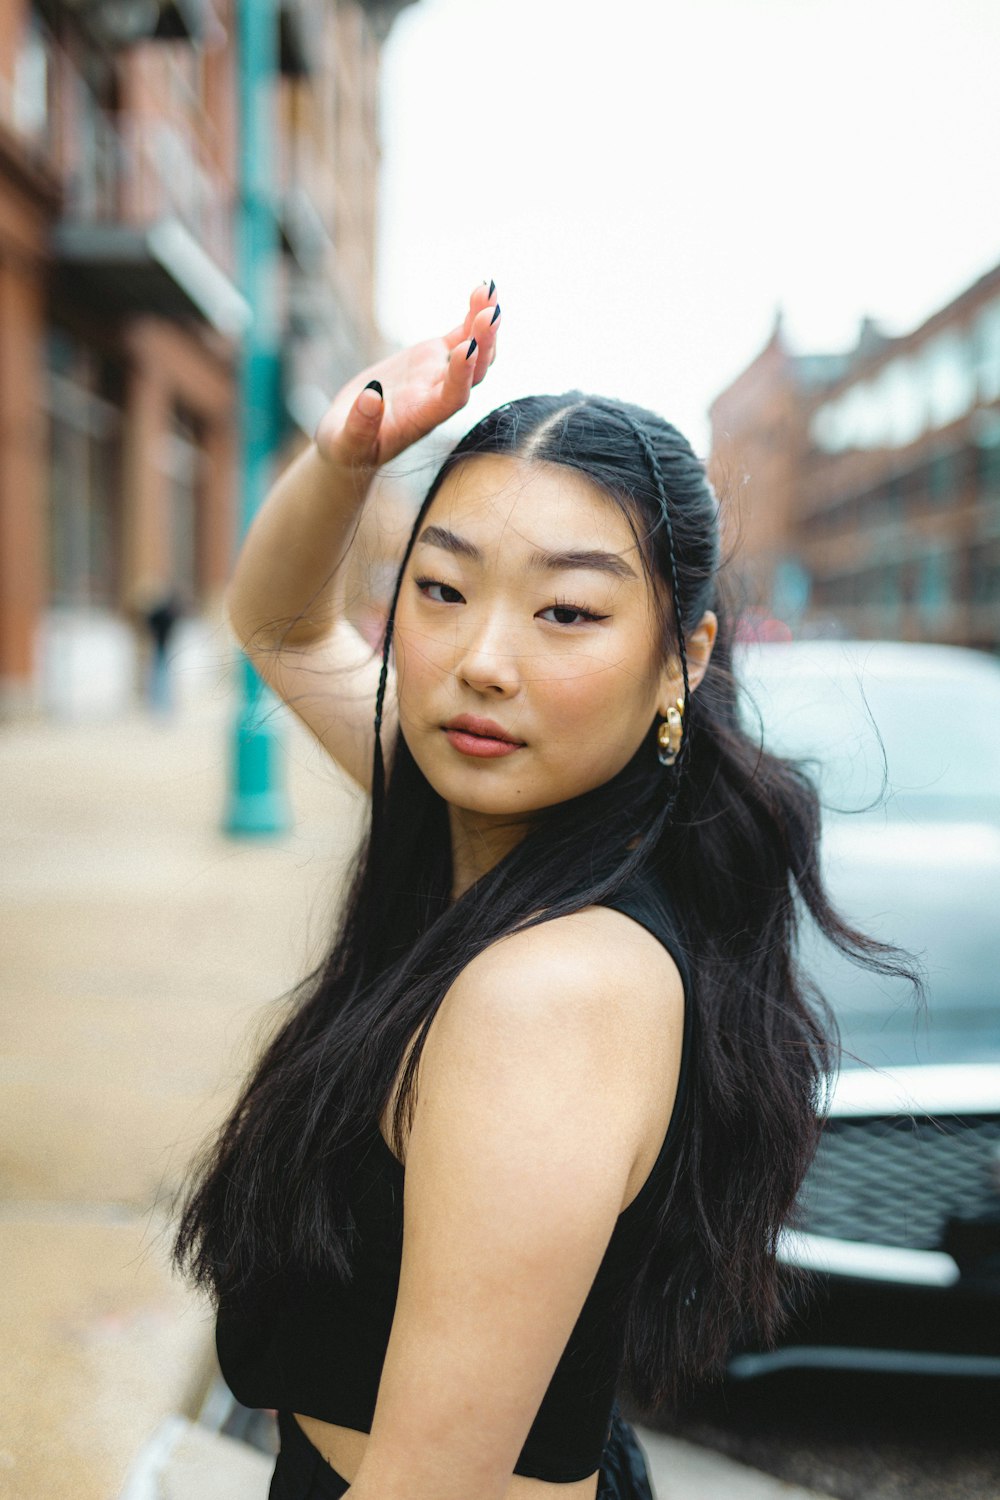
x: 493, y: 287
x: 472, y: 349
x: 375, y: 385
x: 496, y: 314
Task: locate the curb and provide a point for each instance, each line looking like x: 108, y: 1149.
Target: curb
x: 186, y: 1461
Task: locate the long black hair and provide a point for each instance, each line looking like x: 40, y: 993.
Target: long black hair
x: 732, y: 833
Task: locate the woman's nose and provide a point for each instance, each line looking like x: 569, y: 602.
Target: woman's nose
x: 487, y: 658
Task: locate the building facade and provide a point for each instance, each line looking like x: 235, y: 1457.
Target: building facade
x: 120, y: 312
x: 872, y: 478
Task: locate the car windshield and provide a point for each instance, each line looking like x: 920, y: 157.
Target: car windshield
x: 936, y: 709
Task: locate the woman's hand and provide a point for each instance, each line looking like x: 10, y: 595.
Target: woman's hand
x: 422, y: 387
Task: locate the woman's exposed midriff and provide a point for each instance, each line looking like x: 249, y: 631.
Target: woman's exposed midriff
x: 344, y: 1449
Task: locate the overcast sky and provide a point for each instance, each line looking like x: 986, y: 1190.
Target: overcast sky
x: 647, y: 181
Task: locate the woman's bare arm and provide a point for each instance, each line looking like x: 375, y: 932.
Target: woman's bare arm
x: 282, y: 602
x: 550, y: 1056
x: 282, y: 608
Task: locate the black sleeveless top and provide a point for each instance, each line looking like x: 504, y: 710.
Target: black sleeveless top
x: 317, y: 1347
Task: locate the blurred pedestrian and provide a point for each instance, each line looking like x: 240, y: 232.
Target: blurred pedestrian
x: 161, y: 617
x: 528, y: 1135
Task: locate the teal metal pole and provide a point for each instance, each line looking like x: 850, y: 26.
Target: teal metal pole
x: 257, y: 803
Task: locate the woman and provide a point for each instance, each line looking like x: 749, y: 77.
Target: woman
x: 562, y: 994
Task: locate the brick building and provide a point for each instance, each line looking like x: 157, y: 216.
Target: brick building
x: 871, y: 479
x: 120, y: 313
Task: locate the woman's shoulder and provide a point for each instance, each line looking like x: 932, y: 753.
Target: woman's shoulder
x: 646, y: 902
x: 636, y: 925
x: 599, y: 969
x: 586, y: 1009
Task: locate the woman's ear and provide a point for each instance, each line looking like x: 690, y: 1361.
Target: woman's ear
x: 698, y: 649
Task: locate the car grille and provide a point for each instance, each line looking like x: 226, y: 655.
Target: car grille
x: 898, y: 1180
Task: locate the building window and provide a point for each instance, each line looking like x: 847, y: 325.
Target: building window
x: 930, y: 388
x: 903, y: 403
x: 824, y: 428
x: 861, y: 416
x: 943, y: 477
x: 890, y: 586
x: 96, y: 179
x: 984, y: 574
x: 894, y: 492
x: 84, y: 396
x: 934, y: 585
x: 985, y: 579
x: 877, y: 512
x: 988, y: 470
x: 987, y: 340
x: 949, y: 370
x: 31, y: 106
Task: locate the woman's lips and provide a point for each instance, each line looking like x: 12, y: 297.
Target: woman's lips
x: 472, y: 734
x: 480, y: 744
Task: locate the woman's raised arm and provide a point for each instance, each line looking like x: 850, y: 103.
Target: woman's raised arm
x: 282, y: 599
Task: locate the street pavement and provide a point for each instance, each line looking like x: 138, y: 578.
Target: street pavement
x: 143, y: 953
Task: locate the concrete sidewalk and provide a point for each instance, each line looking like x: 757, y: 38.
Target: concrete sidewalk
x: 140, y: 947
x: 142, y: 952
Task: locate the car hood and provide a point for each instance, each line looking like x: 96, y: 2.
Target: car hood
x: 932, y: 887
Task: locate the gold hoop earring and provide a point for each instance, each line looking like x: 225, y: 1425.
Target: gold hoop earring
x: 668, y: 736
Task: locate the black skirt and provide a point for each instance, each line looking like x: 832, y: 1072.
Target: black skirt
x: 302, y: 1473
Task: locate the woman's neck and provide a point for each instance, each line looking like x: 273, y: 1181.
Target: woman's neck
x: 478, y: 843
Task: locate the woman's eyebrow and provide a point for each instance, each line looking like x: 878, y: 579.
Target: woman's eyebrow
x: 603, y: 562
x: 449, y: 541
x: 460, y: 546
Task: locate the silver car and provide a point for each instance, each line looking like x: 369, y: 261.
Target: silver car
x: 900, y: 1213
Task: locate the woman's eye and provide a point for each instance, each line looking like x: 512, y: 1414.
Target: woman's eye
x: 425, y: 585
x: 572, y: 609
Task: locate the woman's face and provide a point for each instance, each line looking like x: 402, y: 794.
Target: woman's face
x: 524, y: 602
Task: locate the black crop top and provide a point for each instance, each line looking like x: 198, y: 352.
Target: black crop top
x: 317, y: 1347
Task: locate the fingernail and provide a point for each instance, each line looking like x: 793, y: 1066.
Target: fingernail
x: 370, y: 400
x: 496, y: 315
x: 472, y: 349
x: 493, y: 287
